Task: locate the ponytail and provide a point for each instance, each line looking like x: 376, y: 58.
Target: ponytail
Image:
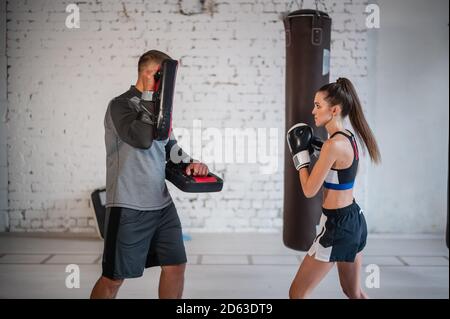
x: 343, y: 93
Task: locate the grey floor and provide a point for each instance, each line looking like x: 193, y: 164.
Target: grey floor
x: 223, y: 266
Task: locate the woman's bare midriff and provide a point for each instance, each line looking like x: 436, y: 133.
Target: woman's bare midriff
x: 334, y: 199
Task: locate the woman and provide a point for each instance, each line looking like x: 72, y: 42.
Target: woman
x: 343, y: 229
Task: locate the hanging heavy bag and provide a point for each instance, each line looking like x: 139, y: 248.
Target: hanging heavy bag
x: 308, y: 40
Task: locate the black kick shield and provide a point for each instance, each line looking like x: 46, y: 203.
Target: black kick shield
x: 163, y: 98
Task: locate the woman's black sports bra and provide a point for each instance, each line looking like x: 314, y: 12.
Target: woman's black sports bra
x: 342, y: 179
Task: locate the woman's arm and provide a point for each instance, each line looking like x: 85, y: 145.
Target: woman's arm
x: 311, y: 183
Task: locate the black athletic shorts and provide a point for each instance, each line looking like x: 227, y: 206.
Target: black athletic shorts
x: 135, y: 240
x: 342, y: 234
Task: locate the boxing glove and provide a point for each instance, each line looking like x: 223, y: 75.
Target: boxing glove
x: 316, y: 146
x: 299, y: 139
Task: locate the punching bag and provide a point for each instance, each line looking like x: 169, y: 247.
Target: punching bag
x: 447, y: 230
x: 308, y: 34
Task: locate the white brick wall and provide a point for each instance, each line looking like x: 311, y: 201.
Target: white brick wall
x: 231, y: 75
x: 3, y: 132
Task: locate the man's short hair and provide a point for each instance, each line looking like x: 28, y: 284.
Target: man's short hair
x: 151, y: 56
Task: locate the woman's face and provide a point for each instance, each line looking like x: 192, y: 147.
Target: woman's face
x: 322, y: 111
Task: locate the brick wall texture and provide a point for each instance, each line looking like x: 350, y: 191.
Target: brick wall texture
x: 231, y: 77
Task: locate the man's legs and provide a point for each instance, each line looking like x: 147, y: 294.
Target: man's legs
x: 171, y: 281
x: 106, y: 288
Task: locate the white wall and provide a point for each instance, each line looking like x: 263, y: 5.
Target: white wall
x: 231, y: 76
x: 3, y: 132
x: 409, y: 81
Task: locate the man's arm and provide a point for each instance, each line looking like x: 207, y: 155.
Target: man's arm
x: 134, y: 127
x: 175, y: 153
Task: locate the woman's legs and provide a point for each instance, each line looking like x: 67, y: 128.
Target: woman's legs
x: 309, y: 275
x: 350, y: 278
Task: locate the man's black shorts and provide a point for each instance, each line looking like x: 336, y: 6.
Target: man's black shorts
x: 135, y: 240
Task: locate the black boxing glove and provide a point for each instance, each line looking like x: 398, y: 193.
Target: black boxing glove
x: 299, y: 140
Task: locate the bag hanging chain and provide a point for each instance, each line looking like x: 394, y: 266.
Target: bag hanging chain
x: 300, y: 6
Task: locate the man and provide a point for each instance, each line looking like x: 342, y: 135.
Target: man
x: 142, y: 225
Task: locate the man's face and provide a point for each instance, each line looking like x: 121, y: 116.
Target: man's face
x: 147, y: 75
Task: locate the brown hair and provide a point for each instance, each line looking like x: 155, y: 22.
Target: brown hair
x: 151, y: 56
x: 343, y: 93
